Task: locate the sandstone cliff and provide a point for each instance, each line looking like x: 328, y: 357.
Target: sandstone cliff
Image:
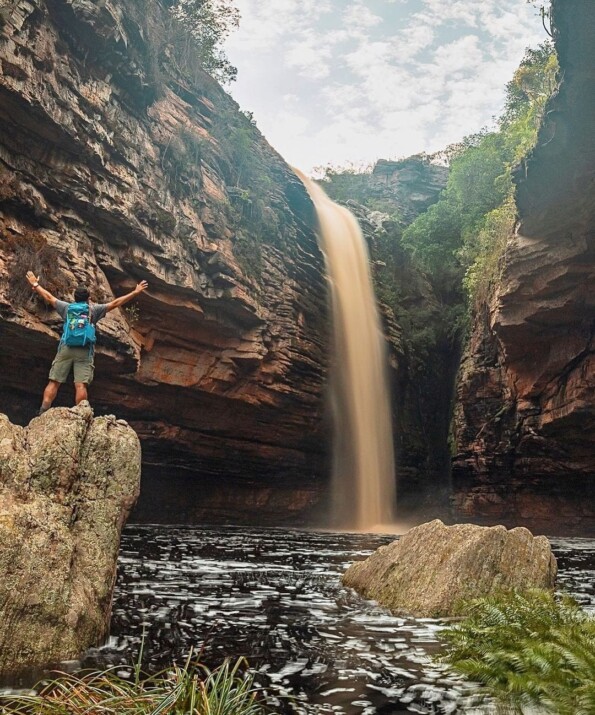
x: 525, y: 418
x: 121, y: 160
x: 412, y: 185
x: 67, y: 484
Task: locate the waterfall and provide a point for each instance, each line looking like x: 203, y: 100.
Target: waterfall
x: 363, y: 478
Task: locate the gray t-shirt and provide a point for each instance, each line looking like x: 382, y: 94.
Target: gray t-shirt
x: 98, y: 310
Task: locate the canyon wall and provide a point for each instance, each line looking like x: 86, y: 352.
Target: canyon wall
x: 121, y: 160
x: 525, y: 415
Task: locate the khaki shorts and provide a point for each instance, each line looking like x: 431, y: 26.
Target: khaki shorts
x: 80, y: 360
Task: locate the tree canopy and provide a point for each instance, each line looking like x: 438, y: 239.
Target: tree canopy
x: 209, y: 22
x: 456, y: 236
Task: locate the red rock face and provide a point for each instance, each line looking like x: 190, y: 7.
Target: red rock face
x: 116, y: 165
x: 526, y: 418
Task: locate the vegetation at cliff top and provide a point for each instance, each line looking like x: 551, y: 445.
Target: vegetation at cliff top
x: 460, y: 239
x: 459, y: 242
x: 209, y: 22
x: 188, y: 690
x: 530, y: 650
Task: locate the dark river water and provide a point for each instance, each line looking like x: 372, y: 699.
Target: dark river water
x: 275, y: 597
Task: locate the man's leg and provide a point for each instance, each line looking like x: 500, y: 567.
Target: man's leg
x: 49, y: 395
x: 83, y: 373
x: 58, y: 375
x: 80, y: 392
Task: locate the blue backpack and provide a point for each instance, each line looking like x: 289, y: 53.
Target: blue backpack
x: 78, y: 328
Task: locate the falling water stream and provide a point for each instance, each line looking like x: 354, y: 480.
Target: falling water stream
x: 363, y: 479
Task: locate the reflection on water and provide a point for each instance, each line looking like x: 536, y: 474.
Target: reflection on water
x: 275, y: 597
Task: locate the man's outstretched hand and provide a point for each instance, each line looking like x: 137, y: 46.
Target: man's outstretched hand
x: 140, y: 287
x: 32, y: 278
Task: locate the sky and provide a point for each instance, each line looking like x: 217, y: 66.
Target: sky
x: 346, y: 82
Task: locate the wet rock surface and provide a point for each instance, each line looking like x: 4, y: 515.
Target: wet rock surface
x: 67, y: 485
x: 122, y: 161
x: 430, y: 570
x: 525, y: 415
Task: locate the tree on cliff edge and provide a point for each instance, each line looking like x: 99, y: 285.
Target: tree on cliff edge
x: 210, y: 22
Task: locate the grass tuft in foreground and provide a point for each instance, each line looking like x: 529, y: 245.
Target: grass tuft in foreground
x: 529, y: 650
x: 191, y: 690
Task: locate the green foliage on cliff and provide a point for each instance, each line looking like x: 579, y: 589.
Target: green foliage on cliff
x: 209, y: 22
x: 486, y: 251
x: 529, y: 650
x: 343, y: 184
x: 527, y: 94
x: 460, y: 238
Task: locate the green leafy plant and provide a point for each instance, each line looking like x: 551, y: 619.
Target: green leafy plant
x: 452, y: 240
x: 487, y: 249
x: 188, y: 690
x: 529, y: 650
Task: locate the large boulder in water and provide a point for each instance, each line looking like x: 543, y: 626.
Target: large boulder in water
x: 67, y: 484
x: 433, y: 568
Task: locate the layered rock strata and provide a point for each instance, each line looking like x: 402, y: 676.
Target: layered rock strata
x: 67, y: 484
x: 525, y: 418
x: 434, y: 569
x: 121, y: 160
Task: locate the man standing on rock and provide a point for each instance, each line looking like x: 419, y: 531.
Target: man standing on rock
x: 76, y: 350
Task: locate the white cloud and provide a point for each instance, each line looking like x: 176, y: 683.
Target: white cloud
x: 376, y: 55
x: 264, y: 23
x: 460, y: 11
x: 359, y: 16
x: 309, y: 57
x: 355, y: 80
x: 463, y: 54
x: 412, y: 40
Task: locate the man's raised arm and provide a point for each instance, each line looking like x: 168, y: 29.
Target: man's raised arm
x: 122, y: 300
x: 45, y: 294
